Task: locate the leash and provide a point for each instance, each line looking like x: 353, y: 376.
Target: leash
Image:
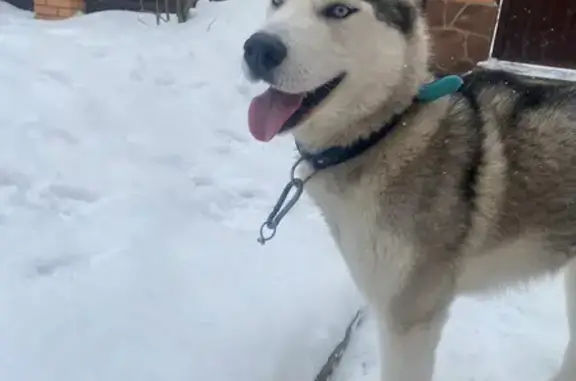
x: 337, y: 155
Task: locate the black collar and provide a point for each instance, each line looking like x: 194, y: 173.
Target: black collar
x: 336, y: 155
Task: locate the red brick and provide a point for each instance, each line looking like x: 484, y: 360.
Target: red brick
x: 461, y: 67
x: 477, y: 47
x: 435, y: 13
x: 66, y: 12
x: 452, y: 11
x: 45, y: 10
x: 62, y: 3
x: 477, y: 18
x: 448, y: 47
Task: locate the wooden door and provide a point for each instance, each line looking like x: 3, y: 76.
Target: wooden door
x: 541, y: 32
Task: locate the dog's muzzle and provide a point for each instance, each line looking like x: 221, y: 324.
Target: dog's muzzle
x: 263, y: 53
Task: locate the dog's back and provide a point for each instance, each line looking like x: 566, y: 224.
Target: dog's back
x: 527, y: 158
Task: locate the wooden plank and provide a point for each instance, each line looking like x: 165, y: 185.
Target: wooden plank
x: 128, y: 5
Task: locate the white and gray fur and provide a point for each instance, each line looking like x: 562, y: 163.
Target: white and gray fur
x: 470, y: 193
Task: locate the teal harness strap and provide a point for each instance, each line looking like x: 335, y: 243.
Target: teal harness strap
x: 439, y: 88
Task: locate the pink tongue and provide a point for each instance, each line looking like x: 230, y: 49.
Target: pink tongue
x: 269, y: 111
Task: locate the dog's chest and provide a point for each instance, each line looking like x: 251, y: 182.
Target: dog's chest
x: 378, y: 258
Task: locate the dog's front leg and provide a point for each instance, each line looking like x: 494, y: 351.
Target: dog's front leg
x: 409, y: 355
x: 411, y: 325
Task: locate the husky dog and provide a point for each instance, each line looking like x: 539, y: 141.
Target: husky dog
x: 470, y: 192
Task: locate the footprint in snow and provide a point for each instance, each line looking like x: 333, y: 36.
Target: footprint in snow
x: 164, y: 81
x: 13, y: 178
x: 202, y: 181
x: 66, y: 192
x: 221, y: 150
x: 53, y: 264
x: 231, y: 135
x: 57, y: 76
x: 174, y: 161
x: 244, y: 89
x: 43, y: 267
x: 61, y: 135
x: 198, y: 85
x: 65, y: 200
x: 250, y: 194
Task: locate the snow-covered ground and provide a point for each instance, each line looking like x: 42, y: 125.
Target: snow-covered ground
x: 131, y: 195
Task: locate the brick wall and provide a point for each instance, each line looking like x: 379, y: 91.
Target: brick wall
x: 57, y: 9
x: 461, y: 32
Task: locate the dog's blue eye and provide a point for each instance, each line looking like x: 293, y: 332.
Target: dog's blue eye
x: 277, y: 3
x: 338, y: 11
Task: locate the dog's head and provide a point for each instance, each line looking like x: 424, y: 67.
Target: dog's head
x: 330, y: 62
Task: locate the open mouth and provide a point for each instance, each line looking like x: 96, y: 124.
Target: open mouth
x: 275, y: 111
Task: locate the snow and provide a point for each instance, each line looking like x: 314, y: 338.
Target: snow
x: 131, y: 194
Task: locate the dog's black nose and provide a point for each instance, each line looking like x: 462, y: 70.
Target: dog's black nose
x: 264, y: 52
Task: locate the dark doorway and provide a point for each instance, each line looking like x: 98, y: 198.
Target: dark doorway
x: 27, y: 5
x: 541, y: 32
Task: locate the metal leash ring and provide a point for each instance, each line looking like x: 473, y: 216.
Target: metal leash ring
x: 271, y: 233
x: 282, y: 207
